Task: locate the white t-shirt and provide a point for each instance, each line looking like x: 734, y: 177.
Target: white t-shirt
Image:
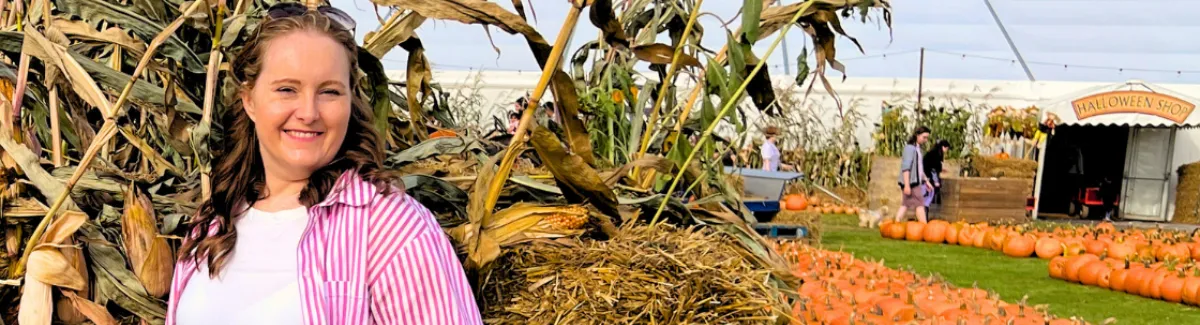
x: 260, y: 283
x: 770, y: 155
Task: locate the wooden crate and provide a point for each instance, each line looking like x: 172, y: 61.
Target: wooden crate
x: 984, y: 199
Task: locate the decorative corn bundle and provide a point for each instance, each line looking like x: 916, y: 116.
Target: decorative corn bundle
x: 1187, y: 194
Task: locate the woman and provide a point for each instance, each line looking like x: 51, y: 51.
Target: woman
x: 933, y: 169
x: 303, y: 226
x: 772, y: 159
x: 912, y: 176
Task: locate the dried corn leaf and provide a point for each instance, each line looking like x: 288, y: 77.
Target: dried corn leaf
x: 488, y: 13
x: 94, y: 312
x: 419, y: 77
x: 48, y: 185
x: 54, y: 54
x: 149, y: 254
x: 115, y: 282
x: 114, y: 35
x: 392, y: 33
x: 603, y: 17
x: 141, y: 26
x: 658, y: 53
x: 579, y: 182
x: 49, y: 266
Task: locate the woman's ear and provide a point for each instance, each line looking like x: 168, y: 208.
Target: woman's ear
x: 248, y: 104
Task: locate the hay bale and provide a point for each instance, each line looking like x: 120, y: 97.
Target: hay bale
x: 808, y: 218
x: 1004, y: 168
x: 1187, y: 195
x: 644, y: 275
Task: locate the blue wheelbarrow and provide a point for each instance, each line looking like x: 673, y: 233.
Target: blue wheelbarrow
x: 764, y: 190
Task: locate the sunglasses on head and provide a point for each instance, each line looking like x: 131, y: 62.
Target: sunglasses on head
x: 292, y: 9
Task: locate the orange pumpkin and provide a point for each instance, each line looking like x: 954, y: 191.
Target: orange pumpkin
x: 1048, y: 247
x: 935, y: 231
x: 1121, y: 249
x: 1076, y: 264
x: 1191, y: 288
x: 952, y: 232
x: 1117, y: 279
x: 1172, y: 287
x: 1089, y: 274
x: 1093, y: 246
x: 839, y: 210
x: 814, y: 201
x: 897, y: 230
x: 1058, y: 267
x: 1019, y: 246
x: 914, y: 231
x: 795, y: 202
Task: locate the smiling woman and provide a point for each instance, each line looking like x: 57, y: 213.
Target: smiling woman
x: 303, y: 227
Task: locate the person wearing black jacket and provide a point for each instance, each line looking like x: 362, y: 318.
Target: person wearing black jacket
x: 933, y: 167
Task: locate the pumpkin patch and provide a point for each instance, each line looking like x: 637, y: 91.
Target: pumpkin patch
x: 841, y: 289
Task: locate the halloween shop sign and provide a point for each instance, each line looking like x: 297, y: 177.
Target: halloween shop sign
x: 1136, y: 102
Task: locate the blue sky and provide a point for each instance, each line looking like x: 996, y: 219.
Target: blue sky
x: 1129, y: 34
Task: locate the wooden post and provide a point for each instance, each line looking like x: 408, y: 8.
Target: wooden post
x: 921, y: 78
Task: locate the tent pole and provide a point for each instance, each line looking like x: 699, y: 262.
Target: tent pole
x: 1011, y: 45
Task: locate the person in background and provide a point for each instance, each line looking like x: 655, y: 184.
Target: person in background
x: 933, y: 169
x: 912, y: 176
x: 514, y: 120
x: 305, y: 225
x: 772, y: 159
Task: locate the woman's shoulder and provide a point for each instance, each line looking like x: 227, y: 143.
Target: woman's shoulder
x: 392, y: 214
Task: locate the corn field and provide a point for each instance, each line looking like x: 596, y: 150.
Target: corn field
x: 115, y: 105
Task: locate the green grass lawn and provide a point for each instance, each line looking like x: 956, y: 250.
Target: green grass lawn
x: 1012, y: 278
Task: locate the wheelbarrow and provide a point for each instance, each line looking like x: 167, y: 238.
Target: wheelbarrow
x: 764, y: 189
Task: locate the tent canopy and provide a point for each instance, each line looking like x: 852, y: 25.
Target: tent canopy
x: 1132, y: 103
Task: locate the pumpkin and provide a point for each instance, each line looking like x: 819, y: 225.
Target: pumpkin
x: 1116, y: 281
x: 1093, y: 246
x: 1154, y: 290
x: 1089, y: 274
x: 1135, y: 279
x: 1195, y: 250
x: 1121, y: 249
x: 965, y: 235
x: 1019, y: 246
x: 914, y: 231
x: 897, y: 230
x: 1191, y: 288
x: 1076, y: 264
x: 1073, y: 248
x: 814, y: 201
x: 795, y: 202
x: 935, y: 231
x: 979, y: 239
x: 952, y: 232
x: 1048, y: 247
x: 1172, y: 287
x: 996, y: 239
x: 1058, y: 267
x: 1175, y: 252
x: 839, y: 210
x: 1002, y: 155
x: 885, y: 228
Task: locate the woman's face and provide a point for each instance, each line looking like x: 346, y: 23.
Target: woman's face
x: 921, y: 138
x: 945, y: 149
x: 300, y: 103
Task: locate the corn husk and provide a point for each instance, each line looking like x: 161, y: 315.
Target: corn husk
x: 645, y: 275
x: 152, y: 259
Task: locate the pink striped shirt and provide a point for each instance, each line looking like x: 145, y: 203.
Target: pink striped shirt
x: 366, y: 258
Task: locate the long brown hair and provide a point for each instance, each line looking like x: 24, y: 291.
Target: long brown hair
x: 238, y: 175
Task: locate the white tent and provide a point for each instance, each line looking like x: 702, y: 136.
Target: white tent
x: 1153, y: 115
